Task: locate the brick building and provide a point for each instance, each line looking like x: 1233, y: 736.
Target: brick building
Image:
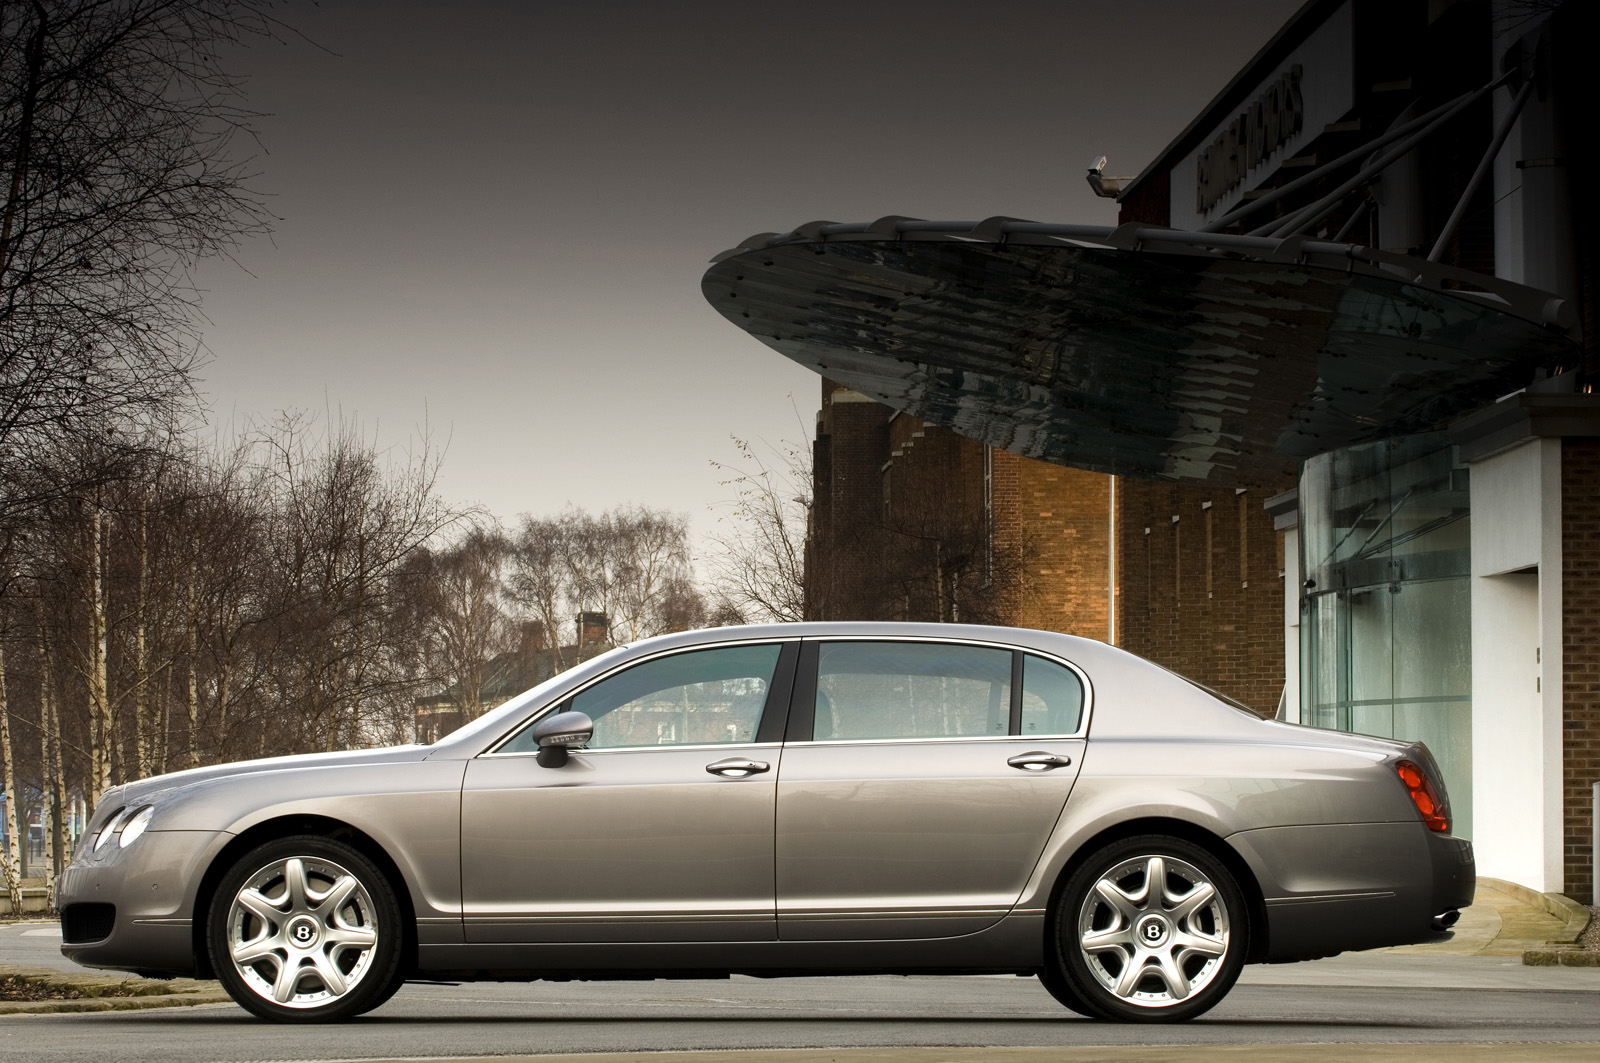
x: 1442, y: 584
x: 911, y: 521
x: 1316, y: 422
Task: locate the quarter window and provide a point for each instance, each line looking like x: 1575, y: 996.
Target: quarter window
x: 1052, y: 698
x: 911, y: 690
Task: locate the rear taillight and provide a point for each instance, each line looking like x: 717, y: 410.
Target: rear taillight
x: 1423, y: 795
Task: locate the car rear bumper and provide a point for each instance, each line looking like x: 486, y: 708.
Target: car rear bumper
x: 1330, y: 889
x: 1455, y: 872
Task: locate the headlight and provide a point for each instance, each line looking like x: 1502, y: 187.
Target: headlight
x: 110, y: 829
x: 136, y: 825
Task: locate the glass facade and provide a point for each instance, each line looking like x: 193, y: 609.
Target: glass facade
x: 1385, y: 624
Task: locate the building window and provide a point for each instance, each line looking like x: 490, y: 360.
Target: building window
x: 1385, y: 627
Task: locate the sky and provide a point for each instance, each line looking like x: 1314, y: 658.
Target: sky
x: 494, y: 216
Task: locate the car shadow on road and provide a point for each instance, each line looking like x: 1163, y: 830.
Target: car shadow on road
x: 241, y: 1017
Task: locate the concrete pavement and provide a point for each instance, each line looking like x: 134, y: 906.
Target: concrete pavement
x: 1500, y: 922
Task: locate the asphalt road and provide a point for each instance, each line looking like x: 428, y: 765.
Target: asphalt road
x: 1353, y: 999
x: 742, y: 1013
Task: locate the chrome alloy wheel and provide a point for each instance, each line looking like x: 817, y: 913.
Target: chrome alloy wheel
x: 302, y: 932
x: 1153, y: 931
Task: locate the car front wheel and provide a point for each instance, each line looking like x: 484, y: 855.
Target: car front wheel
x: 1149, y: 929
x: 305, y: 929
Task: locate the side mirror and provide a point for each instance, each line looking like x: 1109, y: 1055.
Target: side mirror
x: 554, y: 735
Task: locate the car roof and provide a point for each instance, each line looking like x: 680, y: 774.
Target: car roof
x: 1027, y: 638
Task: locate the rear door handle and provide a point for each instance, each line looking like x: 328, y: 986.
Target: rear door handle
x: 738, y: 767
x: 1039, y: 761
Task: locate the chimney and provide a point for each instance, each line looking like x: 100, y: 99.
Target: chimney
x: 532, y: 638
x: 592, y: 628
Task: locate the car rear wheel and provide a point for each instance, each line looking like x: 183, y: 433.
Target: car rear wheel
x: 1149, y: 929
x: 305, y: 929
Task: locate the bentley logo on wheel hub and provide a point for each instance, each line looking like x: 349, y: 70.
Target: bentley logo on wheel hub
x: 1152, y: 931
x: 303, y: 932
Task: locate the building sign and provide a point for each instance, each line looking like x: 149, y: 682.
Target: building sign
x: 1250, y: 139
x: 1311, y: 87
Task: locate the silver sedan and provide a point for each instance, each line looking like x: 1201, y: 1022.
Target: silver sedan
x: 787, y: 800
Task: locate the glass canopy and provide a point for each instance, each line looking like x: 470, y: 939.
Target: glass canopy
x: 1197, y: 367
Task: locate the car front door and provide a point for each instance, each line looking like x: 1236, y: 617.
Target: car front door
x: 661, y: 829
x: 919, y: 785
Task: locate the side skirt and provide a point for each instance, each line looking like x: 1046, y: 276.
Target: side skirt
x: 1013, y: 945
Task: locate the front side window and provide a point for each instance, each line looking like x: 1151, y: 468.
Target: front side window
x: 911, y: 690
x: 703, y: 697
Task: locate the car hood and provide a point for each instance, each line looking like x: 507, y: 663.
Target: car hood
x: 150, y: 791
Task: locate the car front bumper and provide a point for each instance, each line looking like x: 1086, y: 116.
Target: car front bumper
x: 133, y: 909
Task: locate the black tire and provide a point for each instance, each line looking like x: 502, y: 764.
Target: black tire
x: 1056, y: 985
x: 306, y: 929
x: 1128, y: 957
x: 395, y: 983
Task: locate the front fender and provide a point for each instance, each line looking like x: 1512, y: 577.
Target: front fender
x: 412, y: 811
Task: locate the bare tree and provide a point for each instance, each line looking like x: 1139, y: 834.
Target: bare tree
x: 462, y: 594
x: 642, y: 579
x: 16, y: 818
x: 118, y: 172
x: 757, y: 560
x: 206, y: 603
x: 343, y: 523
x: 539, y: 581
x: 633, y: 564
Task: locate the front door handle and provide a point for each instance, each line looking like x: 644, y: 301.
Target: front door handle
x: 738, y: 767
x: 1039, y: 761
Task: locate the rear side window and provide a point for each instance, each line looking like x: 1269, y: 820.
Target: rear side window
x: 911, y: 690
x: 1052, y: 698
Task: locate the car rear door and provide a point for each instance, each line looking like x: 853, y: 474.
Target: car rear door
x: 660, y: 830
x: 920, y: 782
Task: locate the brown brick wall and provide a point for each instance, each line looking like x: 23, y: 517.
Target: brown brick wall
x: 1200, y: 586
x: 899, y: 532
x: 934, y: 532
x: 899, y: 528
x: 1059, y: 528
x: 1580, y: 655
x: 852, y: 441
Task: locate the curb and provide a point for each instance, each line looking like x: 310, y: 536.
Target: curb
x: 35, y: 903
x: 1574, y: 919
x: 1574, y: 916
x: 104, y: 992
x: 1560, y: 958
x: 145, y: 1003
